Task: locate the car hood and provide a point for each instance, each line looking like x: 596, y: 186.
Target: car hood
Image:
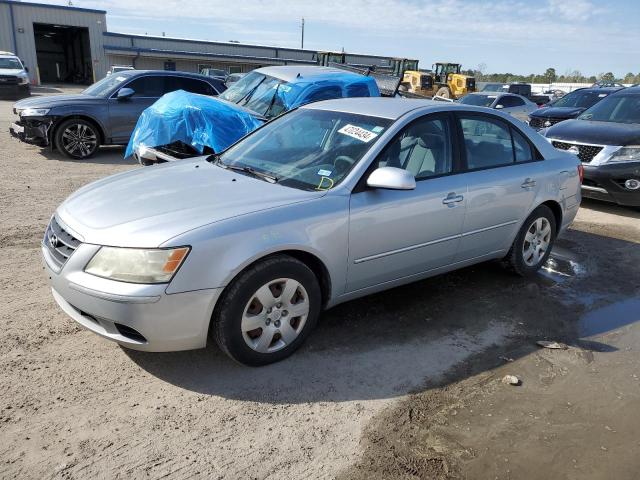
x: 57, y: 100
x: 147, y: 207
x: 597, y: 133
x: 558, y: 112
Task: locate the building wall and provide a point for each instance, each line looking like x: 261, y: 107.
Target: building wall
x: 26, y: 14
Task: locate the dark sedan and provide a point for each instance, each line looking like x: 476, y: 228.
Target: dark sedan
x: 569, y: 106
x: 103, y: 114
x: 606, y: 138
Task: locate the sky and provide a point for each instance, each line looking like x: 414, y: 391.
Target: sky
x: 515, y: 36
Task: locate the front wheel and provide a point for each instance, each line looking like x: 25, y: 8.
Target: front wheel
x: 533, y: 244
x: 77, y: 138
x: 266, y: 313
x: 443, y: 92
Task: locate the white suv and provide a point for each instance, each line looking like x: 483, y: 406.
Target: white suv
x: 14, y: 76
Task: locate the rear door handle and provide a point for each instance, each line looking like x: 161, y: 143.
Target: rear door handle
x: 451, y: 199
x: 528, y: 183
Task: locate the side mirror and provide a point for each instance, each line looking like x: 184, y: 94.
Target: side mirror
x: 391, y: 178
x: 26, y: 69
x: 499, y: 107
x: 125, y: 93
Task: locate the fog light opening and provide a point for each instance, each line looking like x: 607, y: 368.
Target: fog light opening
x: 632, y: 184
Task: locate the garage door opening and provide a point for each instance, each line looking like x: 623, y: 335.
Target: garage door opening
x: 64, y: 53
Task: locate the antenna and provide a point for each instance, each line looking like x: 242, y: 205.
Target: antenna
x: 302, y: 39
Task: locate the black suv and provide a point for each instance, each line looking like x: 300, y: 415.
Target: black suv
x: 569, y: 106
x: 606, y: 138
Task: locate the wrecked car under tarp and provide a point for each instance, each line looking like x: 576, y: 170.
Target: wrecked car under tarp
x: 181, y: 124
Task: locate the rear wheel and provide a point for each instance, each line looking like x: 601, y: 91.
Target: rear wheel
x: 77, y: 138
x: 533, y: 244
x: 268, y: 311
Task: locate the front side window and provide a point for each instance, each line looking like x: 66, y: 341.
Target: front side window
x: 617, y: 108
x: 422, y: 148
x: 307, y: 148
x: 147, y: 86
x: 487, y: 142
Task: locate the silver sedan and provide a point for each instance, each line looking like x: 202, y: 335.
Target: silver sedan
x: 330, y: 202
x: 515, y: 105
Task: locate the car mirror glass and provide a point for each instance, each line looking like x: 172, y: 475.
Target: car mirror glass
x: 499, y: 107
x: 391, y: 178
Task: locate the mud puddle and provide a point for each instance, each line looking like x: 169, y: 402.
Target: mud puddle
x: 609, y: 318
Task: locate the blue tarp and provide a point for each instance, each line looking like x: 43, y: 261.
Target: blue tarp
x: 196, y: 120
x: 200, y: 121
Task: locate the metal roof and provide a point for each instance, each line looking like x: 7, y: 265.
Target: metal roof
x: 48, y: 5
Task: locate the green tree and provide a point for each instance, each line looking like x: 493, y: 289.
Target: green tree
x: 629, y: 78
x: 550, y: 75
x: 608, y: 77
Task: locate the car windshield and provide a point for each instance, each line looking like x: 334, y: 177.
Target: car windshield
x: 478, y: 100
x: 257, y: 92
x: 307, y: 149
x: 106, y: 85
x: 579, y: 99
x: 616, y: 108
x: 10, y: 63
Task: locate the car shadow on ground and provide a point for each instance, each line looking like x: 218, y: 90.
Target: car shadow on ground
x: 610, y: 208
x: 391, y: 343
x: 107, y: 155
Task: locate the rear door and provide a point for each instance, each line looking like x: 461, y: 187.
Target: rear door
x: 399, y: 233
x: 124, y: 113
x: 504, y: 174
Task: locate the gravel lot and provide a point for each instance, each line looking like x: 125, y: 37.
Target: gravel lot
x: 371, y: 394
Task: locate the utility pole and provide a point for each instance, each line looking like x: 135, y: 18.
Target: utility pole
x: 302, y: 39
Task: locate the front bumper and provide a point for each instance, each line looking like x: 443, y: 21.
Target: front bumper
x: 32, y: 130
x: 606, y: 182
x: 140, y: 317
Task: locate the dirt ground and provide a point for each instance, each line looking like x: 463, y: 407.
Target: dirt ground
x: 403, y: 384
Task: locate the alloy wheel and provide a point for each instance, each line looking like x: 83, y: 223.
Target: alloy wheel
x: 536, y: 241
x: 79, y: 140
x: 275, y: 315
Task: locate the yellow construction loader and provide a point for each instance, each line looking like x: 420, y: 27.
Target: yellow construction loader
x: 445, y: 81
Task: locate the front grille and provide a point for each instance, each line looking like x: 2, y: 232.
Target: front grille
x: 8, y: 80
x: 585, y: 152
x: 540, y: 122
x: 60, y: 243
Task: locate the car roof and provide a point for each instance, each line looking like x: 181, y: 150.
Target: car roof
x: 598, y: 89
x: 290, y: 73
x: 634, y: 90
x: 391, y: 108
x: 132, y: 73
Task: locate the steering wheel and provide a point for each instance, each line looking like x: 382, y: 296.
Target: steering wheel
x: 342, y: 163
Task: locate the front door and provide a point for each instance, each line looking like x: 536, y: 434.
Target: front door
x: 124, y: 113
x: 399, y: 233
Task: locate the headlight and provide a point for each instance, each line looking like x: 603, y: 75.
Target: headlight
x: 625, y: 154
x: 34, y: 112
x: 135, y: 265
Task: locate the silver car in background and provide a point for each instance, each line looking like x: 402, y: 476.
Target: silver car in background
x: 327, y: 203
x: 515, y: 105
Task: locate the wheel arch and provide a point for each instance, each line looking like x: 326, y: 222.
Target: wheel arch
x: 315, y: 264
x: 78, y: 116
x: 557, y: 212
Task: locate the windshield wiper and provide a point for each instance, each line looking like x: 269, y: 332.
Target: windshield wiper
x: 246, y: 169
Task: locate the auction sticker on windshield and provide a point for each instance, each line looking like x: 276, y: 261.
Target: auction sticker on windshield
x: 359, y: 133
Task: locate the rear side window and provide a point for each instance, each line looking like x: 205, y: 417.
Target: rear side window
x: 490, y: 143
x: 147, y: 86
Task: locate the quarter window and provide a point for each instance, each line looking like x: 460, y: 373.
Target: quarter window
x: 423, y: 148
x: 522, y: 148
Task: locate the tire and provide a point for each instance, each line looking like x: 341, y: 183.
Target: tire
x: 77, y: 138
x: 255, y: 332
x: 534, y: 242
x: 443, y: 92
